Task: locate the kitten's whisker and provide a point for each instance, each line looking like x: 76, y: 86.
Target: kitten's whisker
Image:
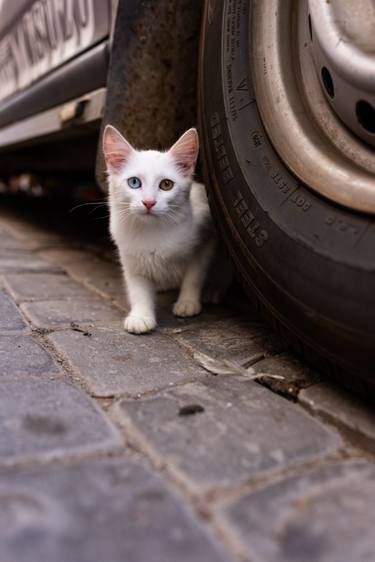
x: 101, y: 218
x: 97, y: 203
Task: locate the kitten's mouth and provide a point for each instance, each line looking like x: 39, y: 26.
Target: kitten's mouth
x: 148, y: 213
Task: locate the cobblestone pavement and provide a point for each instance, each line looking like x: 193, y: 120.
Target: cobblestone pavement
x: 116, y: 447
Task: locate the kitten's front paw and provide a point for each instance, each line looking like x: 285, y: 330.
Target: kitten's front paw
x: 139, y: 324
x: 185, y: 308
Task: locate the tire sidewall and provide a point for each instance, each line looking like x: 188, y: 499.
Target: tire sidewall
x: 309, y: 261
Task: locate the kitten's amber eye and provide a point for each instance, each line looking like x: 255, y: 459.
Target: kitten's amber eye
x: 166, y: 185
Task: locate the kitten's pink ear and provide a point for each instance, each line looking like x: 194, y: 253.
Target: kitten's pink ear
x: 116, y: 149
x: 185, y: 152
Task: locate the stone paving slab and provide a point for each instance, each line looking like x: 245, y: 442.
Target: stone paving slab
x: 113, y: 511
x: 106, y: 278
x: 24, y: 230
x: 10, y: 318
x: 10, y: 242
x: 63, y: 313
x: 21, y: 356
x: 231, y: 339
x: 120, y: 301
x: 48, y: 419
x: 113, y: 362
x: 226, y: 431
x: 221, y: 436
x: 326, y: 515
x: 103, y: 276
x: 44, y: 286
x: 296, y: 375
x: 12, y: 261
x: 344, y: 410
x: 65, y: 255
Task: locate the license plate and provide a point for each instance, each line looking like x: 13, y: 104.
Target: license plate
x: 43, y: 34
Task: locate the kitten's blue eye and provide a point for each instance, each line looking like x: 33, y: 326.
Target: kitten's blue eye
x: 134, y: 183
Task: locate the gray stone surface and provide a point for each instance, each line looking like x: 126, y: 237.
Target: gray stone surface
x: 326, y: 515
x: 119, y: 300
x: 29, y: 231
x: 60, y: 313
x: 296, y: 375
x: 113, y: 362
x: 18, y: 261
x: 231, y: 339
x: 43, y: 286
x: 10, y: 318
x: 9, y: 242
x: 344, y: 410
x: 112, y: 511
x: 258, y: 469
x: 103, y: 276
x: 21, y: 356
x: 243, y: 432
x: 65, y: 255
x: 47, y: 419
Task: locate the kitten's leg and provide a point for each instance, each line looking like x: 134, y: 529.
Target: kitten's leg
x: 141, y: 294
x: 189, y: 299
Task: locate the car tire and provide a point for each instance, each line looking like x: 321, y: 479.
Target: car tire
x: 308, y: 263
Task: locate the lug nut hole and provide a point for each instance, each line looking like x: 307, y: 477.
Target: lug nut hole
x: 366, y: 115
x: 328, y: 82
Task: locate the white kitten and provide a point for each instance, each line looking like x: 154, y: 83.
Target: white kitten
x: 161, y: 224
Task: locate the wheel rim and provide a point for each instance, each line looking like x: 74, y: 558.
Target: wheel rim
x: 293, y: 101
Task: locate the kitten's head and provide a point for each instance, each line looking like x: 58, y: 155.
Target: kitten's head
x: 148, y: 183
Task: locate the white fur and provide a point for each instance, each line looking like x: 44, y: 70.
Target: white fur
x: 171, y: 246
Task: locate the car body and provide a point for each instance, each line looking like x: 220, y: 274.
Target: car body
x: 38, y: 37
x: 66, y: 66
x: 51, y: 52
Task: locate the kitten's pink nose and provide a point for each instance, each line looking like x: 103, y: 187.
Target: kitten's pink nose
x: 149, y: 203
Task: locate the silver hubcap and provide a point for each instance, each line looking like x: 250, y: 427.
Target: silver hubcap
x: 342, y: 37
x: 319, y: 135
